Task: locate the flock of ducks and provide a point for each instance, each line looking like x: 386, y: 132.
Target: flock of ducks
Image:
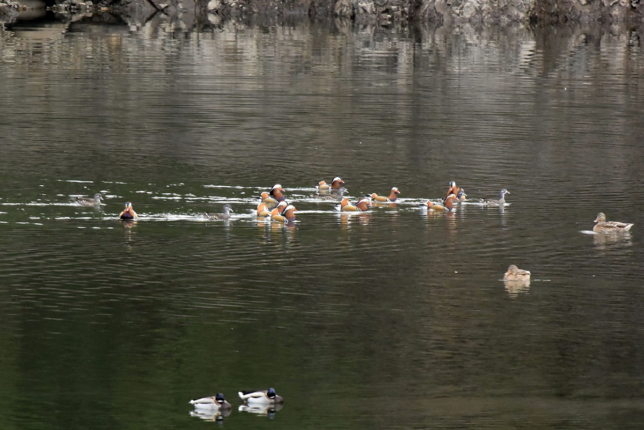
x: 216, y: 407
x: 274, y: 207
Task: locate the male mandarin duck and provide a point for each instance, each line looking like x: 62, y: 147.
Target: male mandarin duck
x: 516, y: 274
x: 224, y: 216
x: 604, y: 226
x: 448, y: 205
x: 499, y: 202
x: 268, y: 396
x: 278, y: 192
x: 128, y: 212
x: 262, y: 210
x: 336, y: 184
x: 276, y: 214
x: 268, y: 200
x: 289, y: 213
x: 393, y: 196
x: 214, y: 402
x: 453, y: 189
x: 86, y: 201
x: 362, y: 205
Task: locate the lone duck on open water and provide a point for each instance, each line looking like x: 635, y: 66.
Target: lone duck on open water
x: 516, y: 274
x: 128, y: 212
x: 499, y: 202
x: 604, y: 226
x: 87, y: 201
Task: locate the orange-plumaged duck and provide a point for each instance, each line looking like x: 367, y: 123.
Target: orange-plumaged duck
x: 278, y: 192
x: 335, y: 184
x: 262, y: 210
x: 268, y: 200
x: 362, y: 205
x: 448, y: 205
x: 393, y: 196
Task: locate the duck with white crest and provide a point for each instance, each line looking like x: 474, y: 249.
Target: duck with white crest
x: 392, y: 197
x: 336, y: 184
x: 278, y: 193
x: 448, y: 205
x: 361, y: 205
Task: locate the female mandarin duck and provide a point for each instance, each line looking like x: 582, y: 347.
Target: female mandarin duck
x: 604, y: 226
x: 278, y: 192
x: 393, y: 196
x: 262, y: 210
x: 216, y: 217
x: 268, y: 200
x: 276, y: 214
x: 336, y: 184
x: 362, y: 205
x: 86, y: 201
x: 128, y: 212
x: 499, y: 202
x: 516, y: 274
x: 268, y: 396
x: 214, y: 402
x: 449, y: 204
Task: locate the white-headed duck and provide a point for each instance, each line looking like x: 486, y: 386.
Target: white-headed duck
x: 225, y: 215
x: 499, y: 202
x: 86, y: 201
x: 278, y: 192
x: 516, y: 274
x: 604, y: 226
x: 214, y: 402
x: 336, y: 184
x: 393, y: 196
x: 128, y: 212
x: 268, y: 396
x: 362, y: 205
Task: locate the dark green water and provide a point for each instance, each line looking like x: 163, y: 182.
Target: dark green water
x: 392, y: 319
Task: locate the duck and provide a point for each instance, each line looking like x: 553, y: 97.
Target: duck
x: 213, y: 402
x: 362, y: 205
x: 268, y: 200
x: 453, y: 189
x: 278, y: 193
x: 224, y: 216
x: 128, y: 212
x: 289, y: 213
x: 499, y: 202
x: 460, y: 196
x: 262, y: 210
x: 86, y: 201
x: 276, y: 214
x: 268, y: 396
x: 393, y: 196
x: 335, y: 195
x: 448, y: 204
x: 336, y: 184
x: 604, y: 226
x: 516, y: 274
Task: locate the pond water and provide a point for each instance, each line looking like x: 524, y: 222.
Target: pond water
x: 391, y: 319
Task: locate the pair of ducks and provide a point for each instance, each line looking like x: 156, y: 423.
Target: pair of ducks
x: 251, y: 397
x: 128, y: 213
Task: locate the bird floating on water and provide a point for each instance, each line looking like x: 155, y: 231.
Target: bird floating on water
x: 516, y: 274
x: 393, y: 196
x: 268, y: 396
x: 128, y: 212
x: 213, y: 402
x: 604, y: 226
x: 499, y: 202
x: 87, y: 201
x: 336, y: 184
x: 223, y: 216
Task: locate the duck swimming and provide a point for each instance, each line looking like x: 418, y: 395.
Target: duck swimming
x: 460, y: 196
x: 268, y: 396
x: 214, y: 402
x: 128, y: 212
x: 393, y: 196
x: 453, y: 189
x: 278, y: 192
x: 335, y: 184
x: 289, y: 213
x: 516, y: 274
x: 362, y: 205
x: 604, y: 226
x: 86, y: 201
x: 276, y: 214
x: 499, y: 202
x: 217, y: 217
x: 268, y: 200
x: 449, y: 204
x: 262, y: 210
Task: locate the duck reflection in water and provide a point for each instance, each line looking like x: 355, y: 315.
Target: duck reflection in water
x: 210, y: 415
x: 605, y: 241
x: 268, y: 410
x: 514, y: 288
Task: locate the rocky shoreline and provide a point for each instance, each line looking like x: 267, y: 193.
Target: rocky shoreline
x: 380, y: 12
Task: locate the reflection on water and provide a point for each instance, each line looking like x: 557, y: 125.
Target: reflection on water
x: 393, y: 318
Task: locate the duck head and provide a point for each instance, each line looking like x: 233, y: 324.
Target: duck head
x: 128, y: 205
x: 277, y: 191
x: 503, y: 193
x: 220, y: 398
x: 337, y: 183
x: 271, y: 393
x: 512, y: 270
x: 600, y: 217
x: 98, y: 197
x: 228, y: 209
x: 393, y: 195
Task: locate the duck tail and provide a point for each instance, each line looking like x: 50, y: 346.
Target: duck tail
x: 628, y: 227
